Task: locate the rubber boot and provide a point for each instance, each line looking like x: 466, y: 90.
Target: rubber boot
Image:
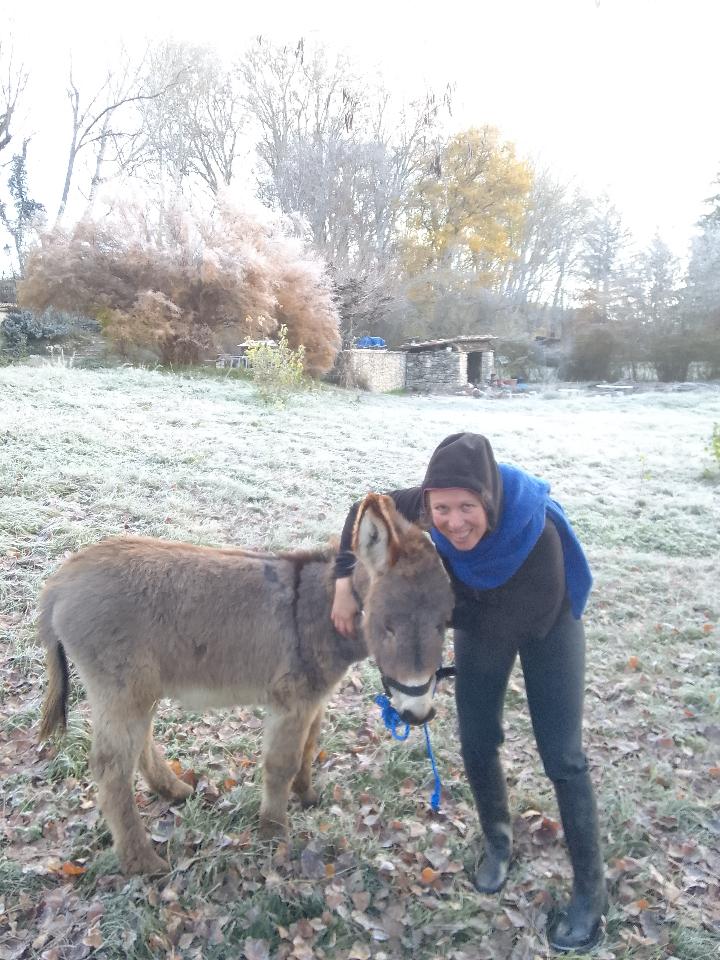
x: 491, y: 799
x: 580, y: 925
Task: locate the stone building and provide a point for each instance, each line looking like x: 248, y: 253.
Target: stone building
x: 444, y: 366
x: 429, y: 366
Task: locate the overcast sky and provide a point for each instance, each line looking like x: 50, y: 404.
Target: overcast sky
x: 619, y: 95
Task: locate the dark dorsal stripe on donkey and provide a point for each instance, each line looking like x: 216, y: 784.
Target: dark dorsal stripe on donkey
x: 145, y: 619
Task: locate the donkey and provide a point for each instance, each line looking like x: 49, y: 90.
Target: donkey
x: 146, y: 619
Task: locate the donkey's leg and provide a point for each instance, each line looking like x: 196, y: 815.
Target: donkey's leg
x: 285, y: 737
x: 302, y: 784
x: 158, y: 774
x: 120, y: 730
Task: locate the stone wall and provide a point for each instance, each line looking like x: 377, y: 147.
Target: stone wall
x: 439, y: 371
x: 377, y: 370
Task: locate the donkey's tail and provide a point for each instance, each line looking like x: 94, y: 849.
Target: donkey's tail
x: 54, y: 711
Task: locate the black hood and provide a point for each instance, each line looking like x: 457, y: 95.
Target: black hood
x: 466, y: 460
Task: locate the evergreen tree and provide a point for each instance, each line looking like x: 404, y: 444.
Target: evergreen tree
x: 29, y: 214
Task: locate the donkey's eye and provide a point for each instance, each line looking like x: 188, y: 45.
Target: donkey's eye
x: 389, y: 630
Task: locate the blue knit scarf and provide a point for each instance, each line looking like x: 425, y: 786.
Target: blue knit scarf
x: 500, y: 554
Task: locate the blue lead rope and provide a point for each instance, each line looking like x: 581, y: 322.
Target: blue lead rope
x: 392, y: 719
x: 435, y: 798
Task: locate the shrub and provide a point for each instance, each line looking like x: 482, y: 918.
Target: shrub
x: 671, y: 353
x: 183, y: 283
x: 714, y: 445
x: 523, y: 358
x: 277, y: 369
x: 592, y: 355
x: 26, y: 328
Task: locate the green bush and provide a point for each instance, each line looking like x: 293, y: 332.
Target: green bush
x: 672, y: 352
x: 524, y: 358
x: 593, y: 355
x: 714, y: 445
x: 277, y: 369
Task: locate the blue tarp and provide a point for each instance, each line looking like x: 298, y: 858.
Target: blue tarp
x: 370, y: 343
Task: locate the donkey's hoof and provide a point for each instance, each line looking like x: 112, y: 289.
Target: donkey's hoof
x: 309, y: 797
x: 272, y: 830
x: 145, y: 861
x: 177, y: 791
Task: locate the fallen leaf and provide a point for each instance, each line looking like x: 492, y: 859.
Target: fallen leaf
x: 515, y: 917
x: 637, y: 906
x: 13, y: 948
x: 361, y: 900
x: 428, y: 875
x: 358, y: 951
x: 93, y: 937
x: 256, y: 950
x: 72, y: 869
x: 671, y: 892
x: 312, y: 864
x: 652, y: 928
x: 545, y: 830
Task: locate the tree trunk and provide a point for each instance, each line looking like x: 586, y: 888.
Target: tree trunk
x: 97, y: 180
x: 75, y: 101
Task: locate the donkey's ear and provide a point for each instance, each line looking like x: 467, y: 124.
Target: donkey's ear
x: 376, y: 538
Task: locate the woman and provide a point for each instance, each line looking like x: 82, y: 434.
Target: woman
x: 521, y: 582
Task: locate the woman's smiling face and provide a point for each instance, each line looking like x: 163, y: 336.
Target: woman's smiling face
x: 459, y: 515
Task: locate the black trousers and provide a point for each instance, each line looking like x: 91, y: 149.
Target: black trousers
x: 554, y: 671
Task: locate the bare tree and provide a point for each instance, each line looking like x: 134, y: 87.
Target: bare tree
x: 305, y: 110
x: 193, y: 130
x: 13, y: 79
x: 99, y: 121
x: 334, y: 148
x: 547, y: 244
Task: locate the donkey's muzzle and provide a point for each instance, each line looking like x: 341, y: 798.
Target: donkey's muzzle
x: 407, y: 716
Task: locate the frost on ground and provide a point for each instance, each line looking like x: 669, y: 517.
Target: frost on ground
x: 371, y: 872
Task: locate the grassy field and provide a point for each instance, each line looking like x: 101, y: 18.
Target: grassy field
x: 372, y: 872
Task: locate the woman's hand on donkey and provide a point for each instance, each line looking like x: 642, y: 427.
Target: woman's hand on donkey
x: 345, y: 608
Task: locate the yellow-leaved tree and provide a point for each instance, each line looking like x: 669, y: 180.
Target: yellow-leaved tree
x: 463, y: 212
